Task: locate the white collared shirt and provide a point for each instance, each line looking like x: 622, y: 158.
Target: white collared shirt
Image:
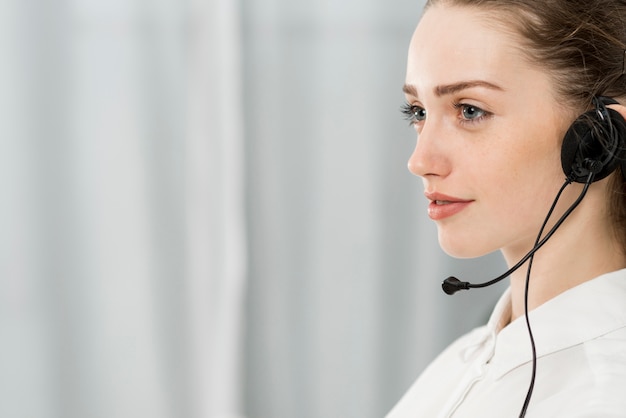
x: 580, y: 337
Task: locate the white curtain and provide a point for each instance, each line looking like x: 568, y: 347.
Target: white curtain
x: 123, y: 244
x: 205, y: 212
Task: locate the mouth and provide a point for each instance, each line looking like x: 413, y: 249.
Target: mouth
x: 442, y: 199
x: 443, y: 206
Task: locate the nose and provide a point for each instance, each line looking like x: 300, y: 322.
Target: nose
x: 429, y: 157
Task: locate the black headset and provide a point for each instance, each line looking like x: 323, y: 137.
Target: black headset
x: 594, y: 143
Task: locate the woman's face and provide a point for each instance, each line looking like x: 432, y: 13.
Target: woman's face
x: 489, y: 133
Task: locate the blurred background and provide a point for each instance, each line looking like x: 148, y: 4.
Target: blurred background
x: 205, y: 212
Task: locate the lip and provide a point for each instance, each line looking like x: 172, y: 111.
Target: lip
x: 443, y: 206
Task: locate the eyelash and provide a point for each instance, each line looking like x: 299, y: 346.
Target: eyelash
x: 409, y: 111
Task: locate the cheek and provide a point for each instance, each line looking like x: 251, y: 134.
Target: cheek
x: 532, y: 158
x: 526, y: 188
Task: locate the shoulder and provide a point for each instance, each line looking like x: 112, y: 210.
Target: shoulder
x: 584, y: 381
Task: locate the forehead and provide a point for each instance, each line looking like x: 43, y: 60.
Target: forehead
x: 453, y: 43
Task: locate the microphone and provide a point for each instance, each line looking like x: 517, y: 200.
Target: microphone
x: 451, y: 285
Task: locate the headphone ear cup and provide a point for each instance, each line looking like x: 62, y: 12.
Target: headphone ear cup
x: 594, y: 142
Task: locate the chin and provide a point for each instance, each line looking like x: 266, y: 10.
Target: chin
x: 462, y: 247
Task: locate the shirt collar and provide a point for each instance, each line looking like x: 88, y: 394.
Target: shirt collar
x: 579, y: 314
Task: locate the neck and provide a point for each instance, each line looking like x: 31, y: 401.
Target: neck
x: 582, y: 249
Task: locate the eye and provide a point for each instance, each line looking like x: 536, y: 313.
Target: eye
x: 470, y: 112
x: 413, y: 113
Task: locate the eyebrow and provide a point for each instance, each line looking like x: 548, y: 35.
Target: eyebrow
x: 447, y: 89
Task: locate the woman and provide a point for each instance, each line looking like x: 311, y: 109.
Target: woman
x: 492, y: 88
